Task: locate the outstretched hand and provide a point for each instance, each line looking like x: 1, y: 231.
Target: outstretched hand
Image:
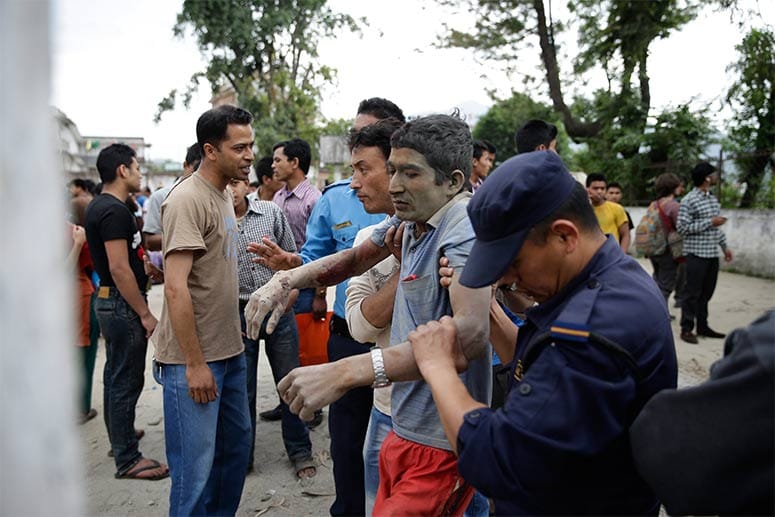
x: 310, y: 388
x: 270, y: 254
x: 272, y: 298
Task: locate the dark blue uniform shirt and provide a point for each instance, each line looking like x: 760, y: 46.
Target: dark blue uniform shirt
x: 560, y: 444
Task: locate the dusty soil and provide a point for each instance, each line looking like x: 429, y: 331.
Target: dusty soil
x: 273, y: 489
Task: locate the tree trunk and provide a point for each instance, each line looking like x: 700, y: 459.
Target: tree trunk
x: 574, y: 127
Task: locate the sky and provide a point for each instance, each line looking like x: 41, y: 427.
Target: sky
x: 114, y: 61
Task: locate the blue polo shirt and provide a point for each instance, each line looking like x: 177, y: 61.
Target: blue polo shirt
x: 335, y: 220
x: 560, y: 444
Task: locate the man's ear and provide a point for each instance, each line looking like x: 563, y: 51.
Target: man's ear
x: 567, y: 234
x: 209, y: 150
x: 457, y: 179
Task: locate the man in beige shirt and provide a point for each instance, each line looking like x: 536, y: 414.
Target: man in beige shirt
x: 198, y: 342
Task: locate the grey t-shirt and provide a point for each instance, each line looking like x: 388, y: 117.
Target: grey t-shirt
x: 419, y: 299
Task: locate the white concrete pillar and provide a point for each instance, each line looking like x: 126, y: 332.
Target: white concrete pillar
x: 40, y: 471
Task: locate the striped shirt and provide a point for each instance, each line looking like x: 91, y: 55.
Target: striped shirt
x: 263, y: 218
x: 701, y: 238
x: 297, y: 205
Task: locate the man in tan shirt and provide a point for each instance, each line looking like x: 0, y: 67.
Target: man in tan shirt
x: 198, y: 342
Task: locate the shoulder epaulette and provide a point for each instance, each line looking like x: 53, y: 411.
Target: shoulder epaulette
x: 340, y: 183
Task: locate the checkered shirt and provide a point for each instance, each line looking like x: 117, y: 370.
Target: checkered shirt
x: 701, y: 238
x: 263, y: 218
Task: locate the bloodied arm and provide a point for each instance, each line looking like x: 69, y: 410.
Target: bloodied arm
x: 273, y: 296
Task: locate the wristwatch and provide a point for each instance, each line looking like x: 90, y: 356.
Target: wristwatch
x: 380, y: 376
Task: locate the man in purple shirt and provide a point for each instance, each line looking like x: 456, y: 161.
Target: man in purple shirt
x: 290, y: 163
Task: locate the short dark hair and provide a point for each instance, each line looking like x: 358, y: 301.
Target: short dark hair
x: 482, y: 145
x: 111, y: 158
x: 213, y: 124
x: 701, y: 171
x: 80, y: 183
x: 666, y: 184
x: 194, y: 156
x: 614, y: 184
x: 533, y: 133
x: 595, y: 176
x: 263, y: 167
x: 444, y: 140
x: 576, y: 208
x: 375, y: 135
x: 381, y: 109
x: 296, y: 148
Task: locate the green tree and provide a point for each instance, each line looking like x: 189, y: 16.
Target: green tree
x: 266, y: 53
x: 752, y: 97
x: 612, y: 34
x: 505, y: 116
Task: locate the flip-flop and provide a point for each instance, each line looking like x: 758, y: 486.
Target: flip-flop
x: 301, y: 464
x: 139, y: 433
x: 132, y: 473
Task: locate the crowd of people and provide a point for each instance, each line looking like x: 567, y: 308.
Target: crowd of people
x: 491, y: 342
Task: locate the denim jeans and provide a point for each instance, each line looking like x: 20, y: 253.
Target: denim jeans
x: 282, y: 350
x: 380, y: 425
x: 125, y: 348
x: 207, y: 444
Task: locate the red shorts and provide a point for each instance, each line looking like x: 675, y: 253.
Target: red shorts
x: 417, y: 479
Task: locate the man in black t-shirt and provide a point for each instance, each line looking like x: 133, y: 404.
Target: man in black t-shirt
x: 121, y: 307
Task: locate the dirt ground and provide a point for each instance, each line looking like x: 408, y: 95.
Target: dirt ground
x: 273, y: 489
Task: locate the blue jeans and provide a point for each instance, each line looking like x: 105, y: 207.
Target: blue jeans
x: 380, y: 425
x: 478, y: 507
x: 207, y: 444
x: 282, y: 350
x: 125, y: 348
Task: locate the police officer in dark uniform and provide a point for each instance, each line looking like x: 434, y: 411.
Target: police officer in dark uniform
x: 596, y: 347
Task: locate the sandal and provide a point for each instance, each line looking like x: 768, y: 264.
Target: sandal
x: 300, y: 465
x: 134, y: 471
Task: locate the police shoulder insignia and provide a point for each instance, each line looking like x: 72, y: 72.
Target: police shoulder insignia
x: 342, y: 225
x: 570, y: 331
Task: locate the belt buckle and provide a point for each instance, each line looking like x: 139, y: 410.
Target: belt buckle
x: 104, y: 292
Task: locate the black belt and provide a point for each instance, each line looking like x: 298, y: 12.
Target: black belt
x: 339, y: 327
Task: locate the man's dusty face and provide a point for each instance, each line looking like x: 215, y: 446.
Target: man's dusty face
x: 371, y: 180
x: 614, y: 194
x: 596, y: 191
x: 239, y: 189
x: 413, y: 188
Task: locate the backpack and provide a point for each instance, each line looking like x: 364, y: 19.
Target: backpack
x: 650, y: 238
